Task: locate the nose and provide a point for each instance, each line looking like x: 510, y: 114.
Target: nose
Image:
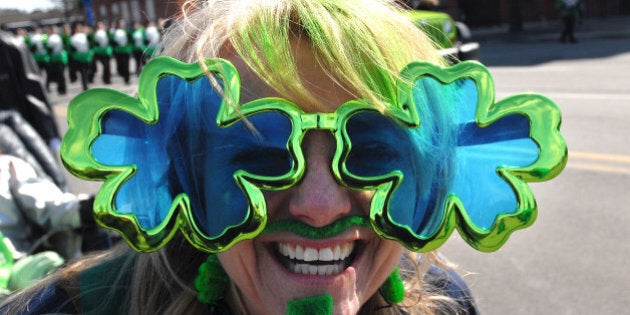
x: 319, y: 199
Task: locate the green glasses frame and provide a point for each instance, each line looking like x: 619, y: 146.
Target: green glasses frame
x: 86, y: 111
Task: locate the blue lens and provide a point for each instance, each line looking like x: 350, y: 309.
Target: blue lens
x: 187, y: 152
x: 375, y: 144
x: 208, y: 157
x: 126, y: 140
x: 380, y: 145
x: 259, y: 148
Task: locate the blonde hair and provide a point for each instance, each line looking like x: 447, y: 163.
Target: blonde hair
x: 360, y: 44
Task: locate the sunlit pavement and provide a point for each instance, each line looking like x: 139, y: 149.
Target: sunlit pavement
x: 60, y: 107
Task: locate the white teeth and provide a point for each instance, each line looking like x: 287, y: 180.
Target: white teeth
x: 323, y: 270
x: 334, y: 269
x: 299, y: 252
x: 326, y: 254
x: 334, y: 255
x: 290, y: 250
x: 337, y: 252
x: 310, y: 254
x: 346, y: 250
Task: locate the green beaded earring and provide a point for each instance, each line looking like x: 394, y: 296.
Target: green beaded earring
x: 393, y: 289
x: 211, y: 281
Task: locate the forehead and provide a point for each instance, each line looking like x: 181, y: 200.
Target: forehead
x: 327, y: 92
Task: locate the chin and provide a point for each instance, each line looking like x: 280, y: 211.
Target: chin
x: 276, y: 268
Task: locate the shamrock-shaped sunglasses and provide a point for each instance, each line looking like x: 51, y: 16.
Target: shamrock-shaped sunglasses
x: 185, y: 154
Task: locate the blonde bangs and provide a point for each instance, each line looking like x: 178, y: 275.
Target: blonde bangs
x: 361, y: 45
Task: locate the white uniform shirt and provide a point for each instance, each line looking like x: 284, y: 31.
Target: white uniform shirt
x: 55, y: 43
x: 101, y: 38
x: 80, y: 43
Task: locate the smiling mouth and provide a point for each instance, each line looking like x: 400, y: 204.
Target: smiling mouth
x: 324, y: 261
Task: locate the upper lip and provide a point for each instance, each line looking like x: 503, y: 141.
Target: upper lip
x: 350, y: 235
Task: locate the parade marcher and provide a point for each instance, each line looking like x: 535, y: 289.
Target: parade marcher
x: 82, y: 53
x: 103, y: 51
x: 153, y: 35
x: 71, y: 65
x: 38, y: 48
x: 122, y: 49
x: 89, y: 32
x: 58, y: 60
x: 570, y: 13
x: 139, y: 40
x: 23, y: 35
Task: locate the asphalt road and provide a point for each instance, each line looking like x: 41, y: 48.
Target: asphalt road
x: 573, y: 259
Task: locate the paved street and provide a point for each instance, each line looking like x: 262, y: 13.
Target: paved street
x: 573, y: 259
x: 60, y: 103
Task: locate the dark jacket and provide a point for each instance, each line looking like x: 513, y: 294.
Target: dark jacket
x: 22, y: 88
x: 94, y: 288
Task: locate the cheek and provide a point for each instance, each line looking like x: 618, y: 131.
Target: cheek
x: 276, y: 201
x: 239, y: 262
x: 364, y: 199
x: 385, y: 257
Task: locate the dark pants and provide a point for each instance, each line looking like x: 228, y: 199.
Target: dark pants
x: 104, y: 60
x: 42, y: 67
x: 45, y: 72
x: 73, y: 68
x: 569, y: 28
x: 55, y: 74
x: 85, y: 70
x: 139, y: 58
x: 92, y: 70
x: 122, y: 65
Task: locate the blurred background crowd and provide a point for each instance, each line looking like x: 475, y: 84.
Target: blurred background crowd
x: 79, y: 51
x: 43, y: 224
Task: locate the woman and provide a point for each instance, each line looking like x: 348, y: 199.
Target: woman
x: 240, y: 163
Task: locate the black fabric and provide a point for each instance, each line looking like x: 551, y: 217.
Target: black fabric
x: 51, y: 300
x: 93, y: 235
x: 122, y: 65
x: 451, y: 284
x: 56, y: 74
x: 104, y: 291
x: 104, y: 60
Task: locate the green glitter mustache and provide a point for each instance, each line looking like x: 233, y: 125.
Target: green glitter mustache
x: 304, y: 230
